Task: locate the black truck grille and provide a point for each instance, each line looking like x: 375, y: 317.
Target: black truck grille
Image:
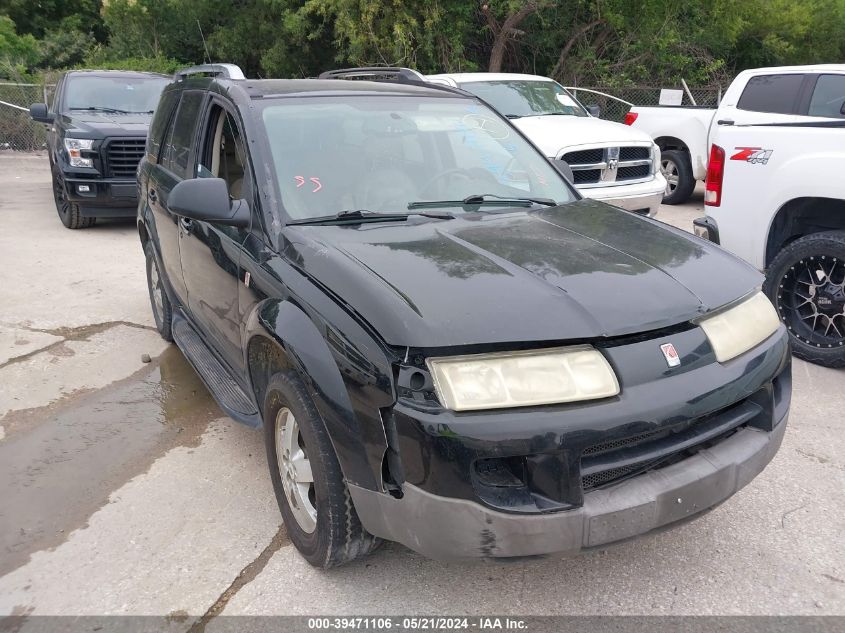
x: 582, y: 156
x: 122, y: 157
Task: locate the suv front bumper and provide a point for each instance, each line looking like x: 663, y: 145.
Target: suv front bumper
x: 104, y: 197
x: 643, y: 197
x: 445, y: 528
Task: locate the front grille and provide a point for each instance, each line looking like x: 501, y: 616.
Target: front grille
x: 584, y: 176
x: 598, y: 479
x: 633, y: 173
x: 634, y: 153
x: 612, y: 461
x: 609, y: 165
x: 595, y: 449
x: 123, y: 156
x: 584, y: 156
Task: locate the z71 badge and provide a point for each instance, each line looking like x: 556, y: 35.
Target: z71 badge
x: 753, y: 155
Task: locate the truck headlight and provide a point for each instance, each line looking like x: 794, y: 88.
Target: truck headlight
x: 655, y: 158
x: 74, y: 147
x: 736, y: 330
x: 521, y: 379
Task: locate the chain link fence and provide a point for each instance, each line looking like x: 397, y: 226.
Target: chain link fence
x: 17, y: 131
x: 615, y: 102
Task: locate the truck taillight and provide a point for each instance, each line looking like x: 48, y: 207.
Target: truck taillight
x: 630, y: 117
x: 715, y: 173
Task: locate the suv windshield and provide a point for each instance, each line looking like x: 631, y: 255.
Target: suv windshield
x: 114, y: 94
x: 389, y: 154
x: 515, y: 98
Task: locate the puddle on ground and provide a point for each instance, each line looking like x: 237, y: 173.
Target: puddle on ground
x: 60, y: 463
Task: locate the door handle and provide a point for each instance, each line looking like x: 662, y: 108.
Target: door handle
x: 151, y: 194
x: 186, y: 224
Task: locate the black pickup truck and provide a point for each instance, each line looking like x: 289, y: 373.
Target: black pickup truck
x: 445, y: 345
x: 97, y: 129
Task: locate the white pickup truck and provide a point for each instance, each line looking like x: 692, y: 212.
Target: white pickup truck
x: 762, y: 95
x: 610, y: 162
x: 775, y: 196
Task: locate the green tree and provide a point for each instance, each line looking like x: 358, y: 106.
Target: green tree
x: 18, y: 53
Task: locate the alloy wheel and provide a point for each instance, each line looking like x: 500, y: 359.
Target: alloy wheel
x: 295, y: 470
x: 157, y: 292
x: 670, y: 171
x: 811, y: 301
x: 62, y: 204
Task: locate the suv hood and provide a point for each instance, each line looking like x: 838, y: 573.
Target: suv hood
x: 584, y: 270
x: 554, y: 133
x: 102, y: 124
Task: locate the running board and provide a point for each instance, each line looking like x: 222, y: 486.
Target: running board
x: 225, y: 389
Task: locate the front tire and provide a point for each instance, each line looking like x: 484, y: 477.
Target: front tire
x: 313, y: 498
x: 69, y: 212
x: 162, y: 310
x: 806, y: 284
x: 676, y: 168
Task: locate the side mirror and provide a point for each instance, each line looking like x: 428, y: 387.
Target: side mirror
x: 565, y: 170
x: 207, y: 199
x: 594, y: 110
x: 39, y: 112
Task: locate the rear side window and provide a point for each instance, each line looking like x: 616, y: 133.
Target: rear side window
x: 161, y: 118
x: 828, y: 98
x: 177, y: 150
x: 777, y: 94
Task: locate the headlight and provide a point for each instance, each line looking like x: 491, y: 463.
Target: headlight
x: 74, y: 147
x: 655, y: 158
x: 521, y: 379
x: 736, y: 330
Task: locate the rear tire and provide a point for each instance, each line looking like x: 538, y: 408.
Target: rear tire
x: 806, y: 284
x: 313, y: 498
x: 69, y: 212
x: 162, y: 310
x: 676, y: 168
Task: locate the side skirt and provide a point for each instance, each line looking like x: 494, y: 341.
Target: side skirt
x: 234, y: 401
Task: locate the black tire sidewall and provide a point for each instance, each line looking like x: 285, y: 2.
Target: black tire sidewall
x: 686, y: 182
x: 286, y: 390
x: 829, y: 244
x: 72, y: 217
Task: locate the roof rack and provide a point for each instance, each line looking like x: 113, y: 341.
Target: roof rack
x: 393, y: 74
x: 388, y: 73
x: 226, y: 71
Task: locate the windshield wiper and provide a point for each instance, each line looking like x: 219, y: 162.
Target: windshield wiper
x: 103, y: 109
x: 483, y: 198
x: 514, y: 116
x: 363, y: 215
x: 554, y: 114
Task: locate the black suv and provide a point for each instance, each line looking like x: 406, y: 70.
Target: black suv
x: 445, y: 345
x: 97, y: 131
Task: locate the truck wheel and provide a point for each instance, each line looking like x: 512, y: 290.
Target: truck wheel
x: 162, y: 310
x: 806, y: 283
x: 676, y: 168
x: 69, y: 212
x: 315, y: 504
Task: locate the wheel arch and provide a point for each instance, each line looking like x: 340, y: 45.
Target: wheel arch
x: 671, y: 143
x: 280, y: 336
x: 803, y: 216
